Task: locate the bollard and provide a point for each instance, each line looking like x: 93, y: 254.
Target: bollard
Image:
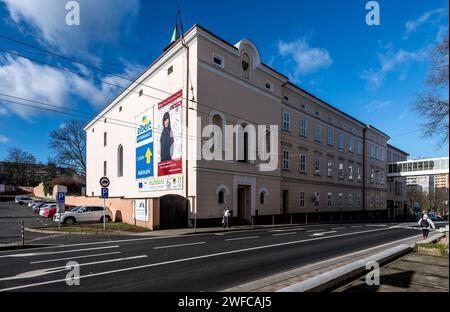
x: 273, y: 219
x: 291, y: 218
x: 306, y: 219
x: 22, y: 230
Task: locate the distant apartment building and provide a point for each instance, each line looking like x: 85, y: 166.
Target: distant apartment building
x: 397, y: 189
x: 329, y: 163
x: 441, y: 181
x: 426, y: 183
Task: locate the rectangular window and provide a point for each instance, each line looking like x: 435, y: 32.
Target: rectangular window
x: 383, y: 153
x: 341, y: 170
x: 341, y: 200
x: 286, y: 98
x: 218, y: 60
x: 303, y: 127
x: 350, y: 145
x: 358, y: 200
x: 330, y: 136
x: 360, y: 148
x: 350, y: 172
x: 105, y: 138
x: 378, y: 153
x: 350, y: 200
x: 317, y: 113
x: 286, y: 160
x: 105, y: 169
x: 269, y: 86
x: 302, y: 199
x: 341, y: 141
x: 286, y: 121
x: 330, y: 168
x: 317, y: 166
x: 302, y: 163
x: 359, y: 174
x: 303, y: 106
x: 371, y: 201
x: 372, y: 176
x: 316, y: 199
x: 372, y: 151
x: 329, y: 200
x: 318, y: 133
x: 169, y: 70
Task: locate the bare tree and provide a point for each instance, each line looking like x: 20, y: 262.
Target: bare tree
x: 433, y: 104
x: 69, y: 145
x: 19, y: 170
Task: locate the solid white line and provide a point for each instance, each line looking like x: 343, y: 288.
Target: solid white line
x: 239, y: 238
x: 79, y: 257
x: 35, y: 254
x: 289, y: 229
x: 318, y: 230
x: 322, y: 233
x: 179, y: 245
x: 338, y: 228
x: 356, y: 226
x: 190, y: 259
x: 279, y: 234
x: 380, y: 225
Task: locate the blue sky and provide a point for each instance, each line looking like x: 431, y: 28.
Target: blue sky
x: 372, y: 73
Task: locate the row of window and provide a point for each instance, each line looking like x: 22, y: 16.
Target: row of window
x: 318, y: 134
x: 377, y: 152
x: 286, y: 165
x: 316, y: 199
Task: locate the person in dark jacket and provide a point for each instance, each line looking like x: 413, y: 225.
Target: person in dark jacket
x: 166, y: 138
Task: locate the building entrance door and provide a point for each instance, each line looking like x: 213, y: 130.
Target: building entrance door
x: 244, y: 202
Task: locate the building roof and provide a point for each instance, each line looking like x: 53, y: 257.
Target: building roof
x: 173, y: 44
x: 396, y: 148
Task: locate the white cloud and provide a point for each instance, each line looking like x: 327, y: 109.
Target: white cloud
x: 392, y: 62
x: 3, y: 139
x: 412, y: 25
x: 3, y: 111
x: 305, y: 59
x: 100, y: 21
x: 22, y: 78
x: 377, y: 105
x: 442, y: 33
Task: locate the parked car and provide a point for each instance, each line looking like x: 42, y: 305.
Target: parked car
x: 83, y: 214
x: 434, y: 217
x: 51, y: 210
x: 48, y: 208
x: 22, y: 199
x: 37, y: 207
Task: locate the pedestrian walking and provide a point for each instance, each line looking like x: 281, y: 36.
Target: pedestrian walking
x: 226, y: 218
x: 425, y: 223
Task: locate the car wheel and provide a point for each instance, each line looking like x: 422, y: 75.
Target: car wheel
x: 69, y: 221
x: 20, y: 203
x: 107, y: 219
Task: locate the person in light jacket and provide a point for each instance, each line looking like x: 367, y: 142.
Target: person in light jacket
x: 425, y: 223
x: 226, y: 218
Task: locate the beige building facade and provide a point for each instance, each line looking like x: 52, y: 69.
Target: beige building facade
x: 329, y: 164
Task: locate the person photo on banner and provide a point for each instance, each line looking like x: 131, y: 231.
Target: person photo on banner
x: 166, y: 139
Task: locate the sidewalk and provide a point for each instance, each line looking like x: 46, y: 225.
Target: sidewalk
x: 411, y: 273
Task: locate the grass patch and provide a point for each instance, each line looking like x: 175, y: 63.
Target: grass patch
x: 98, y: 228
x: 441, y: 248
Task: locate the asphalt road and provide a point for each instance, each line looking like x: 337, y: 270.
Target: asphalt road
x: 202, y: 262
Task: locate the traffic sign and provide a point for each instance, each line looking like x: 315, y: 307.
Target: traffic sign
x: 104, y: 182
x: 105, y: 192
x: 61, y: 198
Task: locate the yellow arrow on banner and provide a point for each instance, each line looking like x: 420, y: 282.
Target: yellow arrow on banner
x: 148, y: 154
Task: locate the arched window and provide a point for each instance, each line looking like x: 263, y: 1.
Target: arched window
x: 221, y: 198
x: 245, y: 65
x: 262, y: 197
x: 120, y: 161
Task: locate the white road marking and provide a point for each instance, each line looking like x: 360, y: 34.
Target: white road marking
x: 380, y: 225
x: 41, y: 272
x: 289, y: 229
x: 239, y: 238
x: 289, y: 233
x: 179, y: 245
x: 322, y: 233
x: 79, y: 257
x: 34, y: 254
x: 318, y: 230
x: 190, y: 259
x: 338, y: 228
x: 356, y: 226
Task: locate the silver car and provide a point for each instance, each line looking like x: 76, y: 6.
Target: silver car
x: 83, y: 214
x: 22, y: 199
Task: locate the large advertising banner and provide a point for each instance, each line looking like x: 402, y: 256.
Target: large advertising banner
x: 144, y: 145
x: 169, y: 136
x: 159, y: 146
